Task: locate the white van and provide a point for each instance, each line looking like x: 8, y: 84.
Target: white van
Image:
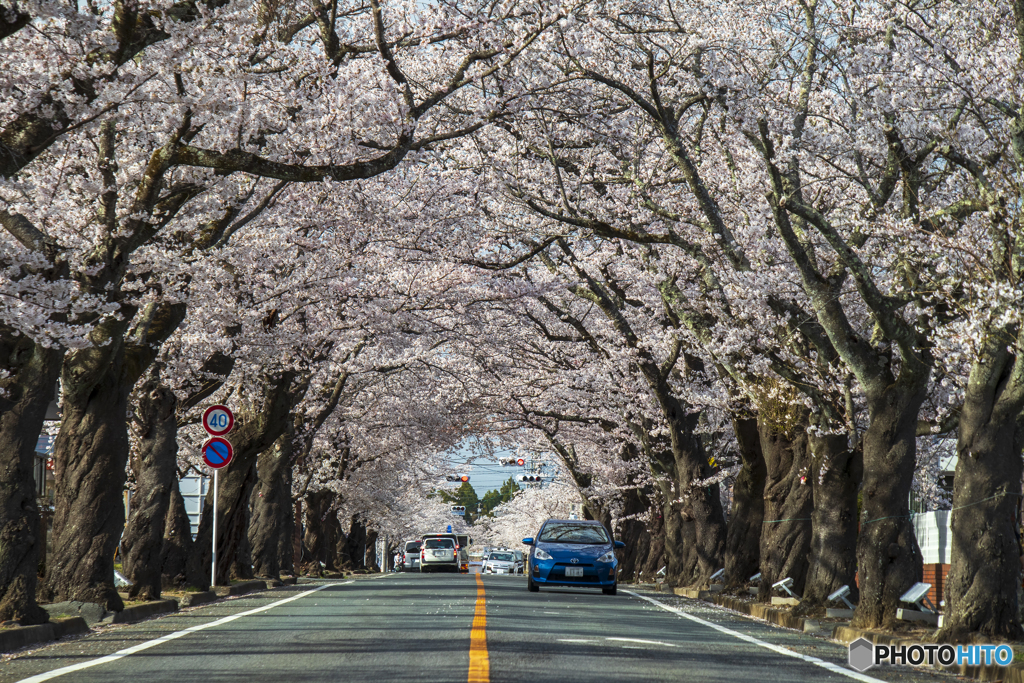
x: 461, y: 546
x: 439, y: 554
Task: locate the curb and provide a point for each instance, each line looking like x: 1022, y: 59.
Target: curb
x: 16, y: 638
x: 130, y: 615
x: 240, y: 588
x: 759, y: 610
x: 762, y: 611
x: 1014, y: 673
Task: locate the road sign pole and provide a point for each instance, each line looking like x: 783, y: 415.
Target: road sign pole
x: 217, y: 452
x: 213, y: 566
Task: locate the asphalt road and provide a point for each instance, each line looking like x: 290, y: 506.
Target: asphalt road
x: 441, y: 628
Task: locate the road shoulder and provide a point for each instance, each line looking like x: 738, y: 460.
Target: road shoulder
x: 107, y: 640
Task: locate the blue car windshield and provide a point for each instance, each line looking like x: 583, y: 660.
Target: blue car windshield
x: 568, y: 532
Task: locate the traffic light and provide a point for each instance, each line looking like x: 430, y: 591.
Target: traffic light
x: 456, y: 477
x: 530, y: 477
x: 458, y: 509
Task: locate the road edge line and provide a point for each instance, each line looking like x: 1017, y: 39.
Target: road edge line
x: 829, y: 666
x: 39, y: 678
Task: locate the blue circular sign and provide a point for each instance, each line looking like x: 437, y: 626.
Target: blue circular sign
x: 217, y: 452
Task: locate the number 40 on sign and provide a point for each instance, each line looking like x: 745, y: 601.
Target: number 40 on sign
x: 218, y: 420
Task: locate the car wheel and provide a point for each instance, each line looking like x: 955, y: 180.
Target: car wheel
x: 531, y: 586
x: 610, y: 591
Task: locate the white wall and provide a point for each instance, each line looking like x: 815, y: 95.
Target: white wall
x: 932, y: 531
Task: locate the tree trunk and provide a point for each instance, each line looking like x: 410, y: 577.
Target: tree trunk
x: 595, y: 512
x: 634, y: 532
x: 370, y: 553
x: 270, y: 529
x: 240, y: 560
x: 91, y: 452
x: 350, y: 555
x: 701, y: 505
x: 156, y: 476
x: 888, y: 557
x: 786, y: 537
x: 254, y: 432
x: 90, y: 456
x: 25, y: 394
x: 835, y: 477
x: 985, y: 566
x: 233, y: 487
x: 323, y: 530
x: 654, y: 558
x: 690, y: 573
x: 676, y: 571
x: 180, y: 564
x: 743, y: 535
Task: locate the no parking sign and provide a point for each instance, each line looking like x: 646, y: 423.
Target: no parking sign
x: 217, y: 452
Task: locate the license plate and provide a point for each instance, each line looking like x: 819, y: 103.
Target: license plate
x: 574, y: 571
x: 439, y: 553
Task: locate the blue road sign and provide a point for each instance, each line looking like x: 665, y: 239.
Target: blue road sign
x: 217, y: 452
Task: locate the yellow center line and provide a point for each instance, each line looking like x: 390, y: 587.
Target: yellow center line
x: 479, y: 663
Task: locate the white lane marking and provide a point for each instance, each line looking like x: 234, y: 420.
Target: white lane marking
x: 642, y: 642
x: 578, y: 640
x: 39, y: 678
x: 829, y: 666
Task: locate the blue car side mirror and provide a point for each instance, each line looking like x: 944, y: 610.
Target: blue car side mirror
x: 620, y: 544
x: 528, y: 541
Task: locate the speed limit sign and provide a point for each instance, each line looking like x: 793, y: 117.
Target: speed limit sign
x: 218, y: 420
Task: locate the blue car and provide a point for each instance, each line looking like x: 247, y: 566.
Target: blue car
x: 573, y: 552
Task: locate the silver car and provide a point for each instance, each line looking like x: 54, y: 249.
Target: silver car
x: 412, y: 556
x: 499, y: 562
x: 438, y: 554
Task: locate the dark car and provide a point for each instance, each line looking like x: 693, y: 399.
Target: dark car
x: 573, y: 552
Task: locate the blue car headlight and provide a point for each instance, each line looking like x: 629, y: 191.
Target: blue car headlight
x: 539, y: 554
x: 607, y: 557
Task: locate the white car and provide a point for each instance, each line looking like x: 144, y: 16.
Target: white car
x: 500, y: 562
x: 438, y: 554
x: 412, y: 556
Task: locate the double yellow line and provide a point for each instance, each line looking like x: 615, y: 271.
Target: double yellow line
x: 479, y: 662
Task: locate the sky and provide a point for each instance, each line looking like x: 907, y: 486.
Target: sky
x: 486, y: 473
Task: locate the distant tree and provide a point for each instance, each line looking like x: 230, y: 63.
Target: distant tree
x: 494, y: 498
x: 465, y: 495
